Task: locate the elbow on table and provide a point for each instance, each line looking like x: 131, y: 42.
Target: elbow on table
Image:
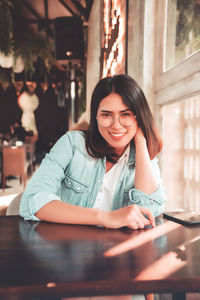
x: 155, y: 202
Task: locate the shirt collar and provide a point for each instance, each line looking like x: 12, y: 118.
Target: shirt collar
x: 125, y: 155
x: 132, y: 153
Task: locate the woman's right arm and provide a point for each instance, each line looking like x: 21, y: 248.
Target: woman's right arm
x: 41, y: 199
x: 61, y: 212
x: 45, y: 184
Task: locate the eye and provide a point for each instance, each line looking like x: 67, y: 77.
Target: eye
x: 126, y: 114
x: 105, y: 115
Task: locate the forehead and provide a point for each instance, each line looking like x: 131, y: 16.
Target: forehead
x: 112, y: 102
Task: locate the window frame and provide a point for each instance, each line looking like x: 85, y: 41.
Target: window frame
x: 183, y: 79
x: 175, y: 84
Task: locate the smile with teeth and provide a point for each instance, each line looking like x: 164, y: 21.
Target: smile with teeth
x: 118, y: 134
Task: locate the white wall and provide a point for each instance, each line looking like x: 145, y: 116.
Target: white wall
x: 141, y: 46
x: 136, y: 40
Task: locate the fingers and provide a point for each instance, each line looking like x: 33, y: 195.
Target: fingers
x: 136, y: 220
x: 140, y: 217
x: 145, y: 220
x: 136, y: 225
x: 148, y: 213
x: 133, y: 216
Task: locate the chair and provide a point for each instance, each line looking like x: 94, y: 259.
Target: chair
x: 14, y: 163
x: 13, y: 207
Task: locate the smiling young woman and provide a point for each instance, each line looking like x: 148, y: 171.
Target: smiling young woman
x: 107, y: 175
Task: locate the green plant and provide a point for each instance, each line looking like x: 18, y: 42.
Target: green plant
x: 31, y: 47
x: 17, y: 38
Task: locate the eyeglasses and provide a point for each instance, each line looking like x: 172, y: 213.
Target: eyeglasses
x: 126, y: 119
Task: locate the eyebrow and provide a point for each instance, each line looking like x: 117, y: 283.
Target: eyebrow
x: 110, y: 111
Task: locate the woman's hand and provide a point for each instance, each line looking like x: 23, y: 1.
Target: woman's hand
x: 145, y: 179
x: 139, y: 136
x: 131, y: 216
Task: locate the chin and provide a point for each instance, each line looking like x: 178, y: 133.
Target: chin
x: 118, y: 146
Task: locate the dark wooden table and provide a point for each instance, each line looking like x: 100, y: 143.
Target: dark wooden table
x: 50, y: 261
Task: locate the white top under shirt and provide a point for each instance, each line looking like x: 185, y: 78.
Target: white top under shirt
x: 104, y: 200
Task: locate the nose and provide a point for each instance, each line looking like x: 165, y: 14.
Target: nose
x: 116, y: 123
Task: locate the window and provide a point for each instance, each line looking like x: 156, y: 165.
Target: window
x: 178, y: 100
x: 181, y: 153
x: 183, y: 30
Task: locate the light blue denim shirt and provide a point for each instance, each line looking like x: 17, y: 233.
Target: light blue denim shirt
x: 68, y: 173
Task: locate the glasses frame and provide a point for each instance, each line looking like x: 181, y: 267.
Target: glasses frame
x: 113, y: 121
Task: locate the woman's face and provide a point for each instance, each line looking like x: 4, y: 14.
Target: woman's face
x: 111, y: 112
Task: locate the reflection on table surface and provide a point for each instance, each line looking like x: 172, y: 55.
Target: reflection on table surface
x: 88, y: 259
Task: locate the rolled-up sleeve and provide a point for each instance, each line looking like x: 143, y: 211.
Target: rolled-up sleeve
x: 154, y: 201
x: 45, y: 184
x: 38, y: 201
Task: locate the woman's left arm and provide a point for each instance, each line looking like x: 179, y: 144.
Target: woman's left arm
x: 148, y: 190
x: 145, y: 178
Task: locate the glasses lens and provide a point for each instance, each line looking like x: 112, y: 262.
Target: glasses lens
x: 127, y: 119
x: 105, y: 120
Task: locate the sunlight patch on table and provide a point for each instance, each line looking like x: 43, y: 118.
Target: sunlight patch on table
x: 144, y: 237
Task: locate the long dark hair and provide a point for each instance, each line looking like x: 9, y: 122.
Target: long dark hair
x: 134, y: 98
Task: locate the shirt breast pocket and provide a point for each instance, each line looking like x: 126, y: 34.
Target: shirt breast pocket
x: 74, y: 192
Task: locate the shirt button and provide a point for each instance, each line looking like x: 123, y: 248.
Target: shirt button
x: 78, y: 188
x: 69, y: 182
x: 98, y: 180
x: 151, y: 201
